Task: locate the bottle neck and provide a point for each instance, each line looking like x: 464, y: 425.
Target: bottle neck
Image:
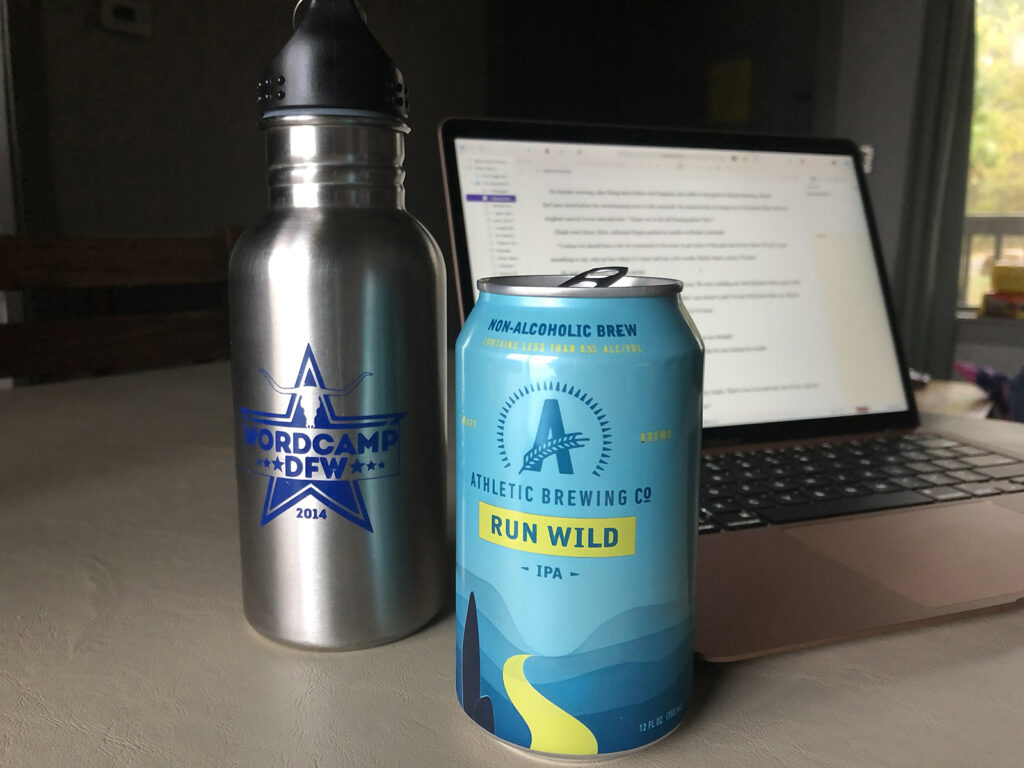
x: 335, y: 162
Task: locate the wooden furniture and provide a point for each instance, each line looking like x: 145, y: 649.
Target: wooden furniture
x: 123, y: 641
x: 104, y: 342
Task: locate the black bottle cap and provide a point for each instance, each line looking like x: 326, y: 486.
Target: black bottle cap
x: 332, y: 65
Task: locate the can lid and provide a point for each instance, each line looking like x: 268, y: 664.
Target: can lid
x: 595, y: 283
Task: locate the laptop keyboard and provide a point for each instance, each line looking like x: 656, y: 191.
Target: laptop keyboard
x: 746, y: 489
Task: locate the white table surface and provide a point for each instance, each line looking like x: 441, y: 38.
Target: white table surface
x: 123, y: 643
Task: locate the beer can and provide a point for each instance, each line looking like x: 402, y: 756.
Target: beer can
x: 578, y: 415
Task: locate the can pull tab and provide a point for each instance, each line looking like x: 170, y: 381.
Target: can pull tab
x: 593, y: 278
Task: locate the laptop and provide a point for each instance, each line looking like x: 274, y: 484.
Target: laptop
x: 825, y: 512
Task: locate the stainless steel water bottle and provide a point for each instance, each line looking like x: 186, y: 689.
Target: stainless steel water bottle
x: 337, y: 355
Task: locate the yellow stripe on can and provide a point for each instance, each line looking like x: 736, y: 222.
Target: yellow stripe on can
x: 562, y: 536
x: 552, y: 729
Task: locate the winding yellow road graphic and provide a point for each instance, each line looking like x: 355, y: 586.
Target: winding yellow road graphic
x: 552, y: 729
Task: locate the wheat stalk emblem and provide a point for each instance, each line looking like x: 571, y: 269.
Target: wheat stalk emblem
x: 535, y: 456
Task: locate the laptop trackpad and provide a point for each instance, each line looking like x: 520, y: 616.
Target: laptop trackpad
x: 935, y: 556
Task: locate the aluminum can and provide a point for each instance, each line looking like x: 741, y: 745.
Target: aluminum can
x: 578, y: 414
x: 339, y: 366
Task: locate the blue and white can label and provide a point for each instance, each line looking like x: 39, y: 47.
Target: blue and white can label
x: 578, y: 415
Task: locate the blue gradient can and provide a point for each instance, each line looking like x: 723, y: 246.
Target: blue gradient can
x: 578, y: 414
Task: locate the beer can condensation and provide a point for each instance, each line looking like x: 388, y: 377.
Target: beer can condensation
x: 578, y: 414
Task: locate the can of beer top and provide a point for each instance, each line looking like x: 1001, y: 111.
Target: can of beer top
x: 578, y: 414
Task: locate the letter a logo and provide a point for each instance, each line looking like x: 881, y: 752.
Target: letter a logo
x: 552, y: 440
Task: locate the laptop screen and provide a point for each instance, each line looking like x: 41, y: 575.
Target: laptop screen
x: 774, y: 249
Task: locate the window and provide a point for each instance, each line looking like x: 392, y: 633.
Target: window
x: 994, y: 222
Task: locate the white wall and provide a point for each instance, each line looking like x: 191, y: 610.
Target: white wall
x: 8, y: 215
x: 8, y: 220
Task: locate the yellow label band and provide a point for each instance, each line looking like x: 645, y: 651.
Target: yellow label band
x: 564, y: 536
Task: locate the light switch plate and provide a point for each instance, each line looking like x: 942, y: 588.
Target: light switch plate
x: 867, y: 157
x: 132, y: 17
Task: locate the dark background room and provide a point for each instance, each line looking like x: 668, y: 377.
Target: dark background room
x: 157, y: 134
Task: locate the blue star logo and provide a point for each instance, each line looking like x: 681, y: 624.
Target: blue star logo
x: 316, y: 451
